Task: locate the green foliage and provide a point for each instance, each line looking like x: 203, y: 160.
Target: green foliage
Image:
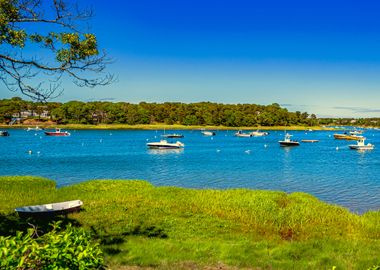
x: 69, y: 249
x: 201, y: 113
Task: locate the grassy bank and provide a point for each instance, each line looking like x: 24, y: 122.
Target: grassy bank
x: 168, y: 127
x: 176, y: 228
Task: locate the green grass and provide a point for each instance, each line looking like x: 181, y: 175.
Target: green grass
x: 177, y: 228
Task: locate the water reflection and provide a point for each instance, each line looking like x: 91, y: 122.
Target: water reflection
x: 165, y: 151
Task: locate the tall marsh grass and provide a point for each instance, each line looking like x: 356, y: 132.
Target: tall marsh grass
x: 164, y: 227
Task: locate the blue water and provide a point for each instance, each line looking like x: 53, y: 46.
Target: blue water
x: 329, y: 169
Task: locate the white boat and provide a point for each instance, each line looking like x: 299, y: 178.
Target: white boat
x: 361, y: 145
x: 309, y: 141
x: 164, y: 144
x: 50, y: 208
x: 288, y: 142
x: 258, y: 133
x: 356, y: 132
x: 37, y: 128
x: 208, y: 133
x: 241, y: 134
x: 57, y: 132
x: 174, y: 135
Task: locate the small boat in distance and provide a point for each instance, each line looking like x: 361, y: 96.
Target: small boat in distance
x: 309, y: 141
x: 208, y: 133
x: 4, y: 133
x: 37, y: 128
x: 346, y: 136
x: 241, y: 134
x: 258, y: 133
x: 356, y: 132
x: 57, y: 132
x: 164, y: 144
x: 60, y: 208
x: 174, y: 135
x: 288, y: 142
x: 361, y: 145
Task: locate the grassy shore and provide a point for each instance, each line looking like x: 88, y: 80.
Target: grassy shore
x: 176, y: 228
x: 167, y: 127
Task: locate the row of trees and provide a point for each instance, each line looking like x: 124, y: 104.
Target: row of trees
x: 366, y: 122
x: 202, y: 113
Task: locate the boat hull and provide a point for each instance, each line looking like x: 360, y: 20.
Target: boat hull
x: 52, y: 209
x: 285, y: 144
x: 208, y: 133
x: 57, y: 134
x: 243, y: 135
x: 358, y: 147
x: 173, y: 136
x: 164, y: 146
x: 347, y: 137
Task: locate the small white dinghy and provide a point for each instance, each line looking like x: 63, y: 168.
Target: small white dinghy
x: 60, y: 208
x: 361, y: 145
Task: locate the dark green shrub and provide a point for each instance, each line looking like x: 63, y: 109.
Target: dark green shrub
x: 70, y: 248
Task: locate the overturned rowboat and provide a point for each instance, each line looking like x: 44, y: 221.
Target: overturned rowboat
x: 61, y: 208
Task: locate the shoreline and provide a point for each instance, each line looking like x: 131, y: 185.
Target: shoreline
x: 162, y: 126
x: 190, y: 189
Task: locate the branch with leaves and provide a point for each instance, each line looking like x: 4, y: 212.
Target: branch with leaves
x: 66, y: 49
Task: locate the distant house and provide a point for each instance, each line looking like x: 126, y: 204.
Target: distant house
x: 30, y: 113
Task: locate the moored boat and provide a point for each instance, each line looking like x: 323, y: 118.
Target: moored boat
x: 50, y: 208
x: 174, y: 135
x: 57, y: 132
x: 208, y: 133
x: 4, y: 133
x: 361, y: 145
x: 37, y: 128
x: 356, y: 132
x: 346, y: 136
x: 241, y: 134
x: 288, y: 142
x: 309, y: 141
x: 258, y: 133
x: 164, y: 144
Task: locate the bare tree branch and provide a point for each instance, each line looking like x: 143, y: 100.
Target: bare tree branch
x: 69, y: 52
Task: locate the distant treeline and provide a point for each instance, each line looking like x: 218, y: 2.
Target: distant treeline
x: 201, y: 113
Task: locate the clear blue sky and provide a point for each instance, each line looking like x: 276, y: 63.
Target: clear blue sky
x: 317, y: 56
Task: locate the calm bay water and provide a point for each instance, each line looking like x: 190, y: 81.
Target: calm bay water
x: 329, y: 169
